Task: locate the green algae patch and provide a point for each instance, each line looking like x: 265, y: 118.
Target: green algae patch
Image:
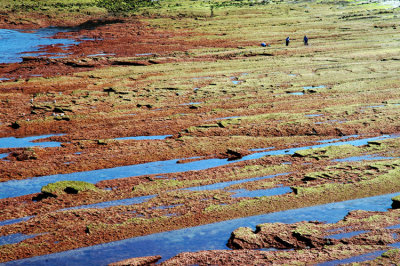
x: 245, y: 233
x: 306, y: 230
x: 327, y: 152
x: 393, y: 253
x: 69, y: 187
x: 385, y: 180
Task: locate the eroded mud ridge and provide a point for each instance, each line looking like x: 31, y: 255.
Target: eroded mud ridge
x: 181, y: 118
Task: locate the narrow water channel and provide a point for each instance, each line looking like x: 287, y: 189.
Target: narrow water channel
x: 16, y: 188
x: 205, y: 237
x: 13, y: 142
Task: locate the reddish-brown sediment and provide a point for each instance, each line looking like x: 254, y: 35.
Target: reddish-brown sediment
x: 94, y: 114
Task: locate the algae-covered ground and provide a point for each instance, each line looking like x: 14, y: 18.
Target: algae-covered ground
x: 195, y: 72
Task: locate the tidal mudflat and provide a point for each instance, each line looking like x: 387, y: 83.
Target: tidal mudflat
x: 174, y: 123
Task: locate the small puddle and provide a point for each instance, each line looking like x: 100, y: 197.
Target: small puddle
x: 261, y: 192
x: 12, y: 142
x: 313, y: 115
x: 3, y: 155
x: 13, y: 43
x: 312, y: 87
x: 331, y: 122
x: 144, y: 54
x: 346, y: 235
x: 296, y: 93
x: 100, y: 55
x: 191, y: 103
x: 227, y: 117
x: 375, y: 106
x: 14, y: 238
x: 360, y: 258
x: 16, y: 188
x: 145, y: 137
x: 205, y: 237
x: 102, y: 205
x: 14, y: 221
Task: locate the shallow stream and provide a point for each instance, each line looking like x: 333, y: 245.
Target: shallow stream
x: 205, y: 237
x: 16, y: 188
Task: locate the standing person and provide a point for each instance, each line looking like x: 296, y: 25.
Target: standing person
x: 305, y: 40
x: 287, y: 41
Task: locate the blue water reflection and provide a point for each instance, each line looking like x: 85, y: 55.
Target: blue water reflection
x: 145, y: 137
x: 14, y: 238
x: 16, y: 188
x: 12, y: 142
x: 15, y: 42
x: 205, y: 237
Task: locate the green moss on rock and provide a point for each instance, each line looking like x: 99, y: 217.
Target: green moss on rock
x: 69, y: 187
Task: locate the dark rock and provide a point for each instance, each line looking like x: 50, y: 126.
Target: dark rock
x: 235, y: 154
x: 194, y: 107
x: 110, y: 89
x: 27, y: 154
x: 396, y: 202
x: 371, y: 143
x: 15, y: 125
x: 58, y: 110
x: 71, y: 190
x: 144, y: 105
x: 42, y: 196
x: 130, y: 63
x: 29, y: 58
x: 309, y: 178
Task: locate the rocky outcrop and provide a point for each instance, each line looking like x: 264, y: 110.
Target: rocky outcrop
x: 279, y: 235
x: 396, y: 202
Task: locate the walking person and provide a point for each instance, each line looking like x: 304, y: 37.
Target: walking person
x: 305, y: 40
x: 287, y: 41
